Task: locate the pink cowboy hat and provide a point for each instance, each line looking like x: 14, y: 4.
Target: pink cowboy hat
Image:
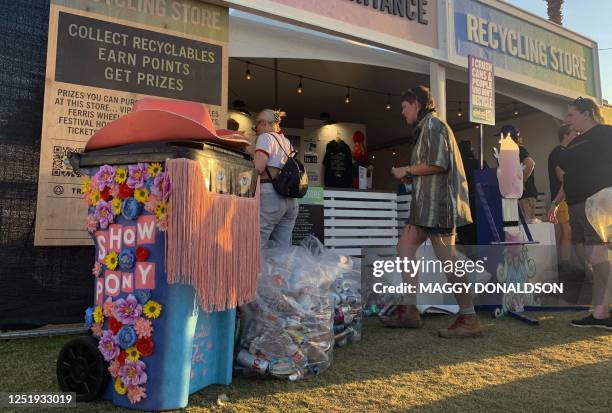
x: 154, y: 120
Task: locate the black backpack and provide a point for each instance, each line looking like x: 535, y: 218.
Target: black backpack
x: 292, y: 181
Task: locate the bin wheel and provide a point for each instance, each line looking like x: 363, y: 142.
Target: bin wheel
x: 81, y: 369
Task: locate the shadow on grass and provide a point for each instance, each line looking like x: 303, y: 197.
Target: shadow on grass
x: 579, y: 389
x: 29, y: 365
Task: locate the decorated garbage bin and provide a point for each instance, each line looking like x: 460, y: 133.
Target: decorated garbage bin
x: 176, y: 233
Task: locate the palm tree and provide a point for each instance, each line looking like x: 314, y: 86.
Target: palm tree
x: 554, y: 11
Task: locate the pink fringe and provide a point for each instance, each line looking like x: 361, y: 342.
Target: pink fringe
x: 212, y: 241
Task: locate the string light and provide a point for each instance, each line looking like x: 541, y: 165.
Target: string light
x: 300, y: 89
x: 347, y: 98
x: 515, y: 110
x: 247, y: 74
x: 459, y: 112
x: 388, y: 106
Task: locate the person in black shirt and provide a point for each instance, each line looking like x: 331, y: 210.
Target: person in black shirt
x: 530, y: 193
x: 586, y: 164
x: 555, y: 178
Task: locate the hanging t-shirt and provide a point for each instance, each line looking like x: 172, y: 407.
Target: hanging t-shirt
x: 338, y: 163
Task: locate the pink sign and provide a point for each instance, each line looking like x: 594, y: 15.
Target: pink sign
x: 145, y: 275
x: 414, y: 20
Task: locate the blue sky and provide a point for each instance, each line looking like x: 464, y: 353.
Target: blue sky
x: 591, y: 18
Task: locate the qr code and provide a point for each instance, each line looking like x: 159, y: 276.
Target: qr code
x: 60, y: 167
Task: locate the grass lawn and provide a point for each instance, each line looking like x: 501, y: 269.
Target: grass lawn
x: 514, y: 368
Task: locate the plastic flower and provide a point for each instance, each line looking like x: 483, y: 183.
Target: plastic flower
x: 113, y: 368
x: 141, y: 194
x: 105, y: 195
x: 132, y: 373
x: 154, y: 169
x: 162, y: 224
x: 143, y: 327
x: 114, y: 325
x: 132, y: 354
x: 108, y: 345
x: 111, y: 260
x: 85, y: 185
x: 149, y: 184
x: 122, y: 357
x: 97, y: 269
x: 120, y: 175
x: 162, y: 186
x: 126, y: 258
x: 94, y: 197
x: 105, y: 176
x: 126, y: 337
x: 98, y: 315
x: 125, y: 191
x: 152, y: 203
x: 130, y: 209
x: 92, y: 223
x: 145, y: 346
x: 143, y: 296
x: 142, y: 253
x: 89, y: 317
x: 127, y: 310
x: 116, y: 203
x: 114, y: 191
x: 108, y: 307
x: 161, y: 210
x: 96, y: 329
x: 138, y: 174
x: 136, y: 393
x: 119, y: 386
x: 104, y: 214
x: 152, y: 309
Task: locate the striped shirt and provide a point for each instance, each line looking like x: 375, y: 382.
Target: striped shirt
x: 438, y: 200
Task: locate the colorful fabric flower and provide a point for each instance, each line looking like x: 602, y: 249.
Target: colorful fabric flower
x: 89, y: 317
x: 92, y: 223
x: 127, y: 310
x: 125, y: 191
x: 113, y: 368
x: 96, y: 329
x: 97, y: 269
x: 154, y: 169
x: 116, y: 203
x: 149, y: 184
x: 108, y: 308
x: 137, y: 175
x: 126, y: 337
x: 141, y: 194
x: 136, y: 393
x: 114, y: 191
x: 162, y: 186
x: 126, y: 258
x: 132, y: 354
x: 162, y: 224
x: 108, y: 345
x: 152, y: 309
x: 94, y: 197
x: 133, y: 373
x: 143, y: 327
x: 111, y: 260
x: 122, y: 357
x: 119, y: 386
x: 85, y: 185
x: 120, y: 175
x: 152, y: 203
x: 105, y: 176
x: 161, y: 210
x: 130, y: 209
x: 105, y: 195
x: 144, y: 346
x: 104, y: 214
x: 114, y: 325
x: 142, y: 253
x: 98, y: 315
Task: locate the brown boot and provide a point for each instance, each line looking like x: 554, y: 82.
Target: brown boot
x: 404, y: 316
x: 464, y: 326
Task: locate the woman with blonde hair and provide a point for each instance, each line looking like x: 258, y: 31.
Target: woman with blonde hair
x: 277, y: 212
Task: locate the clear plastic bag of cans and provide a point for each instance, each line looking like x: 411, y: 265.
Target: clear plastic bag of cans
x: 287, y: 332
x: 348, y: 306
